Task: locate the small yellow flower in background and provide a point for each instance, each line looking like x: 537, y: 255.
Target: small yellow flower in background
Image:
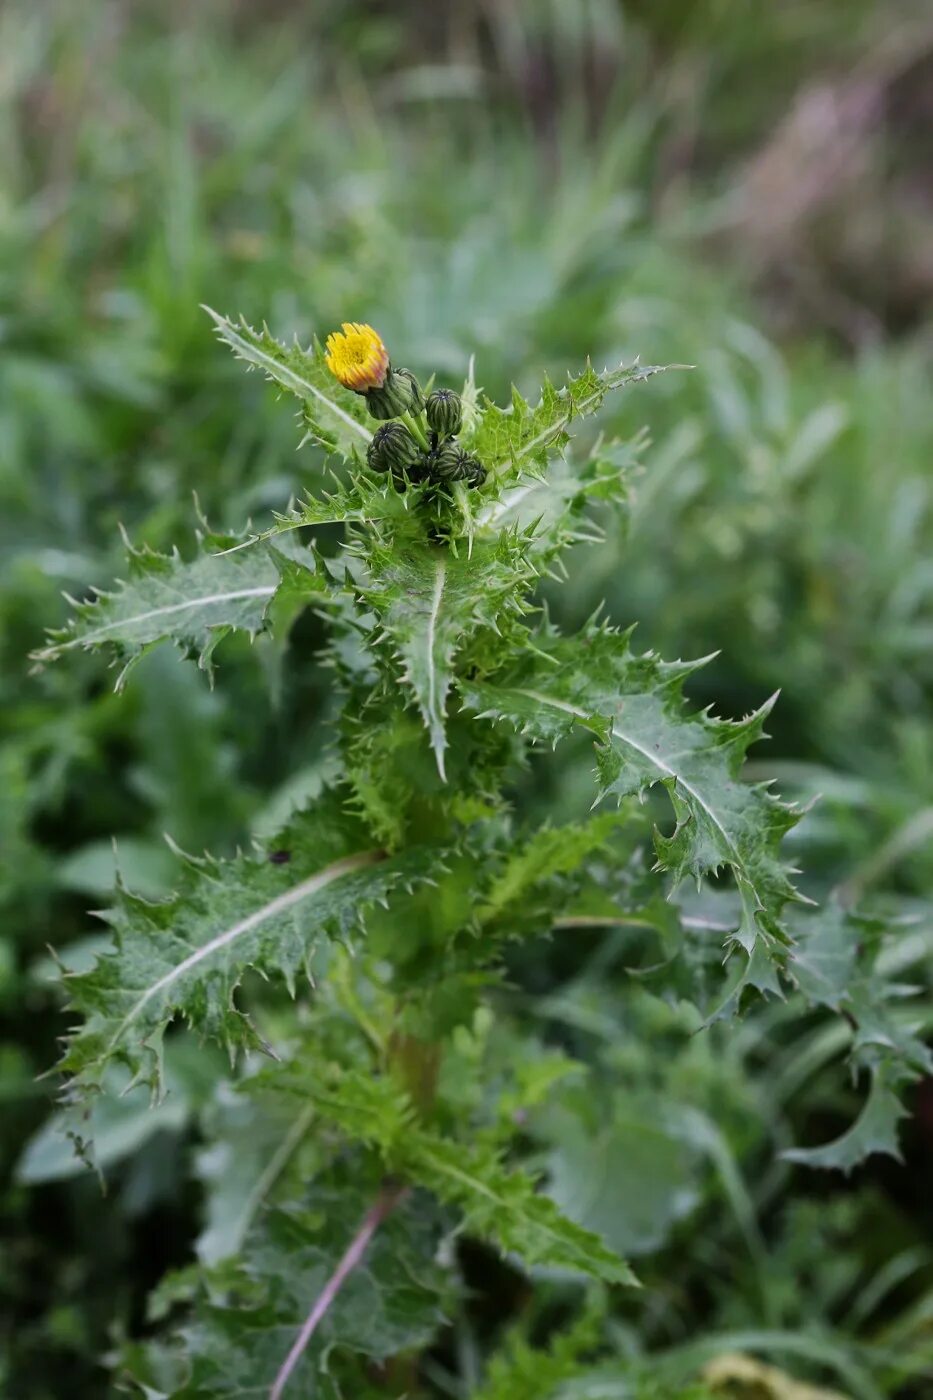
x: 740, y: 1377
x: 357, y: 357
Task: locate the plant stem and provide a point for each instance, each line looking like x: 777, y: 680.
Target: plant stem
x: 390, y: 1195
x: 417, y: 431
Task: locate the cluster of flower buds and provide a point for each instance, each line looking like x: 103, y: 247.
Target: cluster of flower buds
x: 416, y: 440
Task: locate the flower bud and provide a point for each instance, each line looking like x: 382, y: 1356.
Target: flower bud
x: 445, y: 412
x: 416, y: 404
x: 447, y: 462
x: 400, y: 393
x: 474, y: 472
x: 393, y: 449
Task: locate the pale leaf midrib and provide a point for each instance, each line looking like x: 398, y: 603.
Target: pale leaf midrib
x: 440, y: 576
x: 204, y: 600
x: 481, y: 1188
x: 659, y: 763
x: 320, y: 880
x: 574, y: 410
x: 279, y: 371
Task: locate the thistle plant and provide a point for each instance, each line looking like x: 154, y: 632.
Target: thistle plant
x: 385, y: 1069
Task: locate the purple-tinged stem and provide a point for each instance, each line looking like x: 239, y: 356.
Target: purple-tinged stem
x: 389, y: 1197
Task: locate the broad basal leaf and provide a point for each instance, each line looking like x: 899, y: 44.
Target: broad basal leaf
x: 335, y: 417
x: 257, y: 1146
x: 193, y: 604
x: 635, y: 707
x: 517, y: 439
x: 498, y: 1203
x: 120, y: 1123
x: 273, y: 910
x: 244, y: 1315
x: 624, y: 1170
x: 430, y: 601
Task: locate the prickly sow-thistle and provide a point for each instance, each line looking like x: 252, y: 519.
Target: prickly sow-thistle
x: 416, y: 442
x: 399, y: 885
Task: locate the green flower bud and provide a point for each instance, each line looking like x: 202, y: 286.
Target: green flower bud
x: 474, y: 472
x: 393, y: 449
x: 416, y: 404
x: 445, y: 412
x: 400, y: 393
x: 447, y: 462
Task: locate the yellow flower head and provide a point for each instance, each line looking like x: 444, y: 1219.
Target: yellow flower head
x: 357, y: 357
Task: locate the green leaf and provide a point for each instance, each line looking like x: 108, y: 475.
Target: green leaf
x: 626, y: 1173
x: 523, y: 1372
x: 838, y: 962
x: 498, y: 1203
x: 875, y: 1129
x: 335, y: 417
x: 195, y: 604
x: 253, y: 1143
x: 186, y: 955
x: 366, y: 499
x: 551, y: 851
x: 430, y: 601
x: 119, y: 1124
x: 635, y: 707
x: 518, y: 439
x: 502, y: 1204
x: 554, y: 506
x: 245, y: 1314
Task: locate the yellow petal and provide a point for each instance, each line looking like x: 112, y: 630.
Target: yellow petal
x: 357, y: 357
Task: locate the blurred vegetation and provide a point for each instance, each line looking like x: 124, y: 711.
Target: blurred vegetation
x: 735, y: 186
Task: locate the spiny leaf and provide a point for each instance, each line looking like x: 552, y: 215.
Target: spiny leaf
x: 551, y: 851
x: 635, y: 707
x: 187, y: 954
x: 875, y: 1129
x: 837, y: 962
x: 520, y: 1371
x: 430, y: 600
x: 365, y: 500
x: 335, y: 417
x: 502, y: 1205
x: 244, y: 1314
x: 513, y: 440
x: 556, y: 502
x: 498, y: 1203
x: 193, y: 604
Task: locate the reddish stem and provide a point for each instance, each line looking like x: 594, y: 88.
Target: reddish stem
x: 389, y: 1197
